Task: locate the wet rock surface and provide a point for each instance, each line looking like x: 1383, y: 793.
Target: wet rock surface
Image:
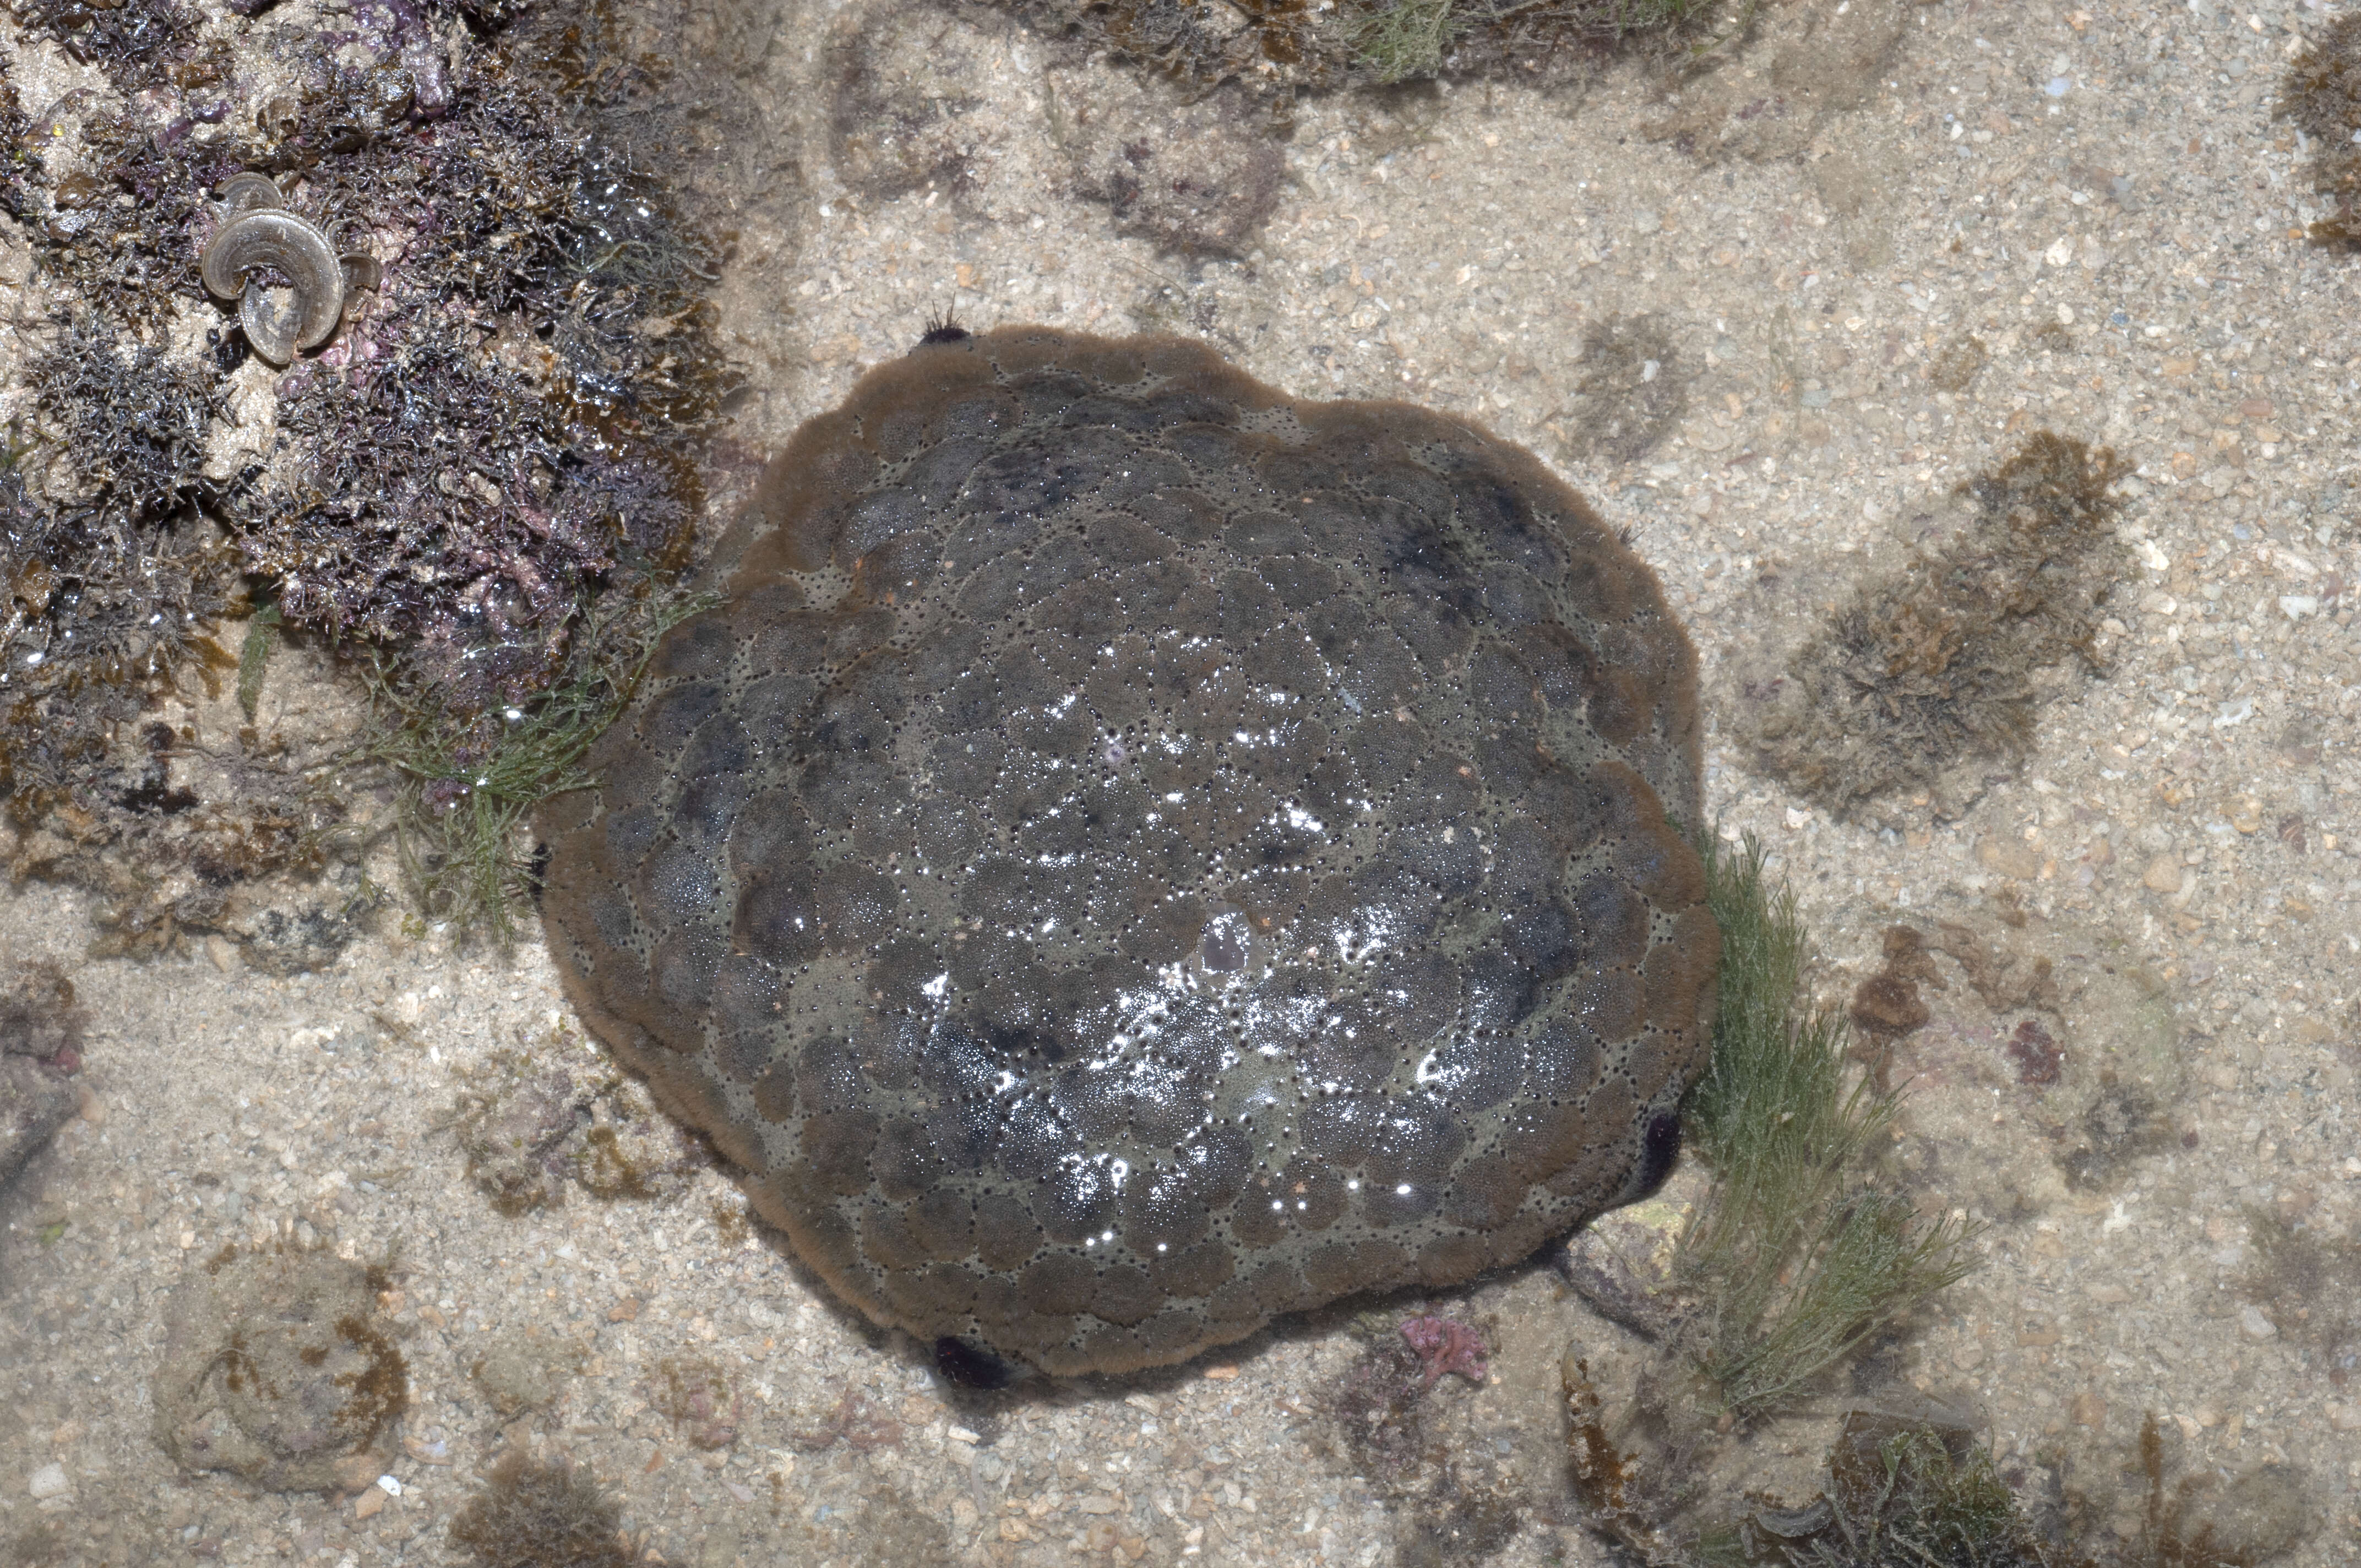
x: 40, y: 1048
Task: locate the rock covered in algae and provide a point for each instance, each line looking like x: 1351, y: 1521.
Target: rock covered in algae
x: 1134, y: 852
x: 279, y: 1366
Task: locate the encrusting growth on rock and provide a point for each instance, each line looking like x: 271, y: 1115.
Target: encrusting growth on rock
x: 1935, y: 665
x: 551, y: 1514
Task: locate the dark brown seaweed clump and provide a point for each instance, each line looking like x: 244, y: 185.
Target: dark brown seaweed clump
x: 530, y: 1130
x: 2040, y: 1059
x: 40, y: 1050
x: 1629, y: 392
x: 2321, y: 93
x: 467, y: 529
x: 1900, y: 1492
x: 113, y: 197
x: 108, y: 573
x: 99, y: 611
x: 1286, y: 48
x: 123, y: 426
x: 1197, y: 180
x: 38, y: 1017
x: 2201, y: 1521
x: 549, y: 1515
x: 1905, y: 1491
x: 123, y: 37
x: 2121, y: 1123
x: 2309, y: 1279
x: 1389, y: 1421
x: 1887, y: 1005
x: 501, y: 433
x: 695, y: 1394
x: 513, y: 1124
x: 1939, y: 663
x: 505, y: 431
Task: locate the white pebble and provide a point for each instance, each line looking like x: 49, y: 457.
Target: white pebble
x: 48, y: 1481
x: 2256, y: 1325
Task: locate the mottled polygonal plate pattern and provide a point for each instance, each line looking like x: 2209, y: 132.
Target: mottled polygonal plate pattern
x: 1134, y: 852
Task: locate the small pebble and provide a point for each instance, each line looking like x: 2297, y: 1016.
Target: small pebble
x: 48, y: 1481
x: 2163, y: 874
x: 2251, y: 1322
x: 2010, y: 858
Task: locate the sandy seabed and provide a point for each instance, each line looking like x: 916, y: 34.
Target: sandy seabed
x: 2098, y: 193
